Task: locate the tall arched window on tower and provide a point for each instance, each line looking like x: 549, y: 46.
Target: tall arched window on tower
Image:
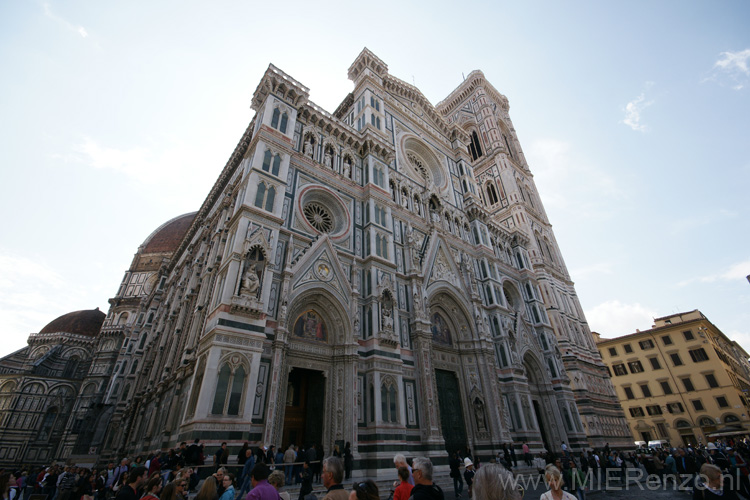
x: 492, y: 197
x: 475, y: 149
x: 275, y: 118
x: 284, y: 121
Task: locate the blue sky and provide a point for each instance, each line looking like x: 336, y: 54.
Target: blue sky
x: 118, y: 116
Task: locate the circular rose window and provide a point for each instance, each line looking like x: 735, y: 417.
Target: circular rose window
x: 318, y: 216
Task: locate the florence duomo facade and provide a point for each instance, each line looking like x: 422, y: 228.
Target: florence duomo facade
x: 384, y: 275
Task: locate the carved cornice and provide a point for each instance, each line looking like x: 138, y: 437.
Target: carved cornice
x: 401, y: 88
x: 284, y: 86
x: 474, y: 81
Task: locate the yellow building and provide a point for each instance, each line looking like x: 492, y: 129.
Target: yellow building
x: 683, y: 380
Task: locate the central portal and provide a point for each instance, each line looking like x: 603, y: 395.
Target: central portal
x: 451, y: 416
x: 305, y: 408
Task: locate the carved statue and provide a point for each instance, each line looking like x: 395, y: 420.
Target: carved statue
x: 347, y: 171
x: 328, y: 159
x: 386, y: 316
x: 250, y: 283
x: 479, y: 413
x: 404, y: 201
x: 308, y: 147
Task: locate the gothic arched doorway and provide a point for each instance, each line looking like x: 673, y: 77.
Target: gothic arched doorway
x: 539, y: 396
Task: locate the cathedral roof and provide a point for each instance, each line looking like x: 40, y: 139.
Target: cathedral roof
x: 167, y: 237
x: 87, y: 322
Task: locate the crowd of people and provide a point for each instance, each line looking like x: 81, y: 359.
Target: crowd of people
x: 717, y: 470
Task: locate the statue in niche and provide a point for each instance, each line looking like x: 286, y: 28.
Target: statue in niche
x: 308, y: 149
x: 479, y: 413
x: 404, y: 200
x: 250, y: 283
x: 328, y: 159
x: 347, y: 169
x: 387, y: 319
x: 386, y: 311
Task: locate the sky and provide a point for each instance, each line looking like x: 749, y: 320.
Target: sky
x: 634, y: 117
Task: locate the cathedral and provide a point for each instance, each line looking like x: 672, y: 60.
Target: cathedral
x: 383, y: 274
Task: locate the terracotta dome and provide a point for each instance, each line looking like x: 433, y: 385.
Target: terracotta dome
x: 87, y: 322
x: 168, y: 236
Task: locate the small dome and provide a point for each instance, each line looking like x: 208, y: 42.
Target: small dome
x: 168, y: 236
x: 87, y: 322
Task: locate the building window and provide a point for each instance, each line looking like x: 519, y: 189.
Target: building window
x: 635, y: 367
x: 698, y: 355
x: 492, y: 197
x: 697, y: 404
x: 654, y: 410
x: 646, y: 344
x: 636, y: 412
x: 667, y: 340
x: 264, y: 197
x: 666, y: 387
x: 380, y: 215
x: 655, y: 363
x: 688, y: 384
x: 502, y: 355
x: 628, y: 348
x: 722, y: 402
x: 661, y: 428
x: 676, y: 361
x: 646, y: 391
x: 229, y: 389
x: 612, y: 351
x: 688, y: 335
x: 620, y: 369
x: 388, y: 401
x: 381, y: 246
x: 712, y: 382
x: 475, y: 149
x: 629, y: 393
x: 675, y: 408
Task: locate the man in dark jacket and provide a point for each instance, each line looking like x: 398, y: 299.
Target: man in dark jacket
x: 424, y: 489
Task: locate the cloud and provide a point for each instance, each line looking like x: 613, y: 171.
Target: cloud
x: 593, y: 269
x: 32, y: 293
x: 68, y: 25
x: 731, y: 69
x: 633, y: 111
x: 614, y: 318
x: 560, y: 180
x: 734, y: 62
x: 692, y: 223
x: 734, y: 272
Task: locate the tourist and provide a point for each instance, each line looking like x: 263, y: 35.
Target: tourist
x: 228, y: 483
x: 403, y: 490
x: 366, y: 490
x: 262, y: 490
x: 306, y: 478
x: 713, y: 485
x: 422, y: 474
x: 469, y: 473
x: 153, y: 488
x: 276, y: 479
x: 455, y: 466
x: 136, y: 478
x: 553, y: 477
x: 348, y: 460
x: 332, y: 476
x: 209, y: 490
x: 492, y: 482
x: 400, y: 461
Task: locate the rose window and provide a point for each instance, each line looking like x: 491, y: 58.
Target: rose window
x: 418, y: 165
x: 318, y: 216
